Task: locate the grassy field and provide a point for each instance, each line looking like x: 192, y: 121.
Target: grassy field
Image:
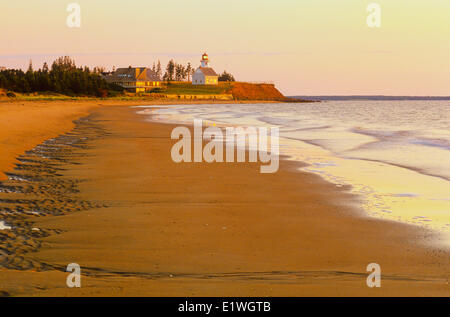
x: 182, y: 88
x: 31, y: 97
x: 239, y: 90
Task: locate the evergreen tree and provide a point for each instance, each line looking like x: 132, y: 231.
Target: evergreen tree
x: 45, y: 68
x: 188, y: 71
x: 158, y: 69
x: 3, y: 81
x: 63, y: 77
x: 179, y: 72
x: 226, y: 77
x: 30, y: 78
x: 170, y: 70
x: 30, y: 67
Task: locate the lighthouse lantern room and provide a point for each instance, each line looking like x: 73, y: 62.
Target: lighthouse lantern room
x: 205, y: 60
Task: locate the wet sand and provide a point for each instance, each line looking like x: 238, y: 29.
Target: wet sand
x: 107, y: 195
x: 25, y: 124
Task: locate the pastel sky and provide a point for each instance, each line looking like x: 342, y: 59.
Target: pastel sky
x: 307, y: 47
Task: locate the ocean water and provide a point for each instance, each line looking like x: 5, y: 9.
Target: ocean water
x: 394, y: 154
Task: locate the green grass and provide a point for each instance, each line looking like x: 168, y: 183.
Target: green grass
x: 173, y: 88
x: 189, y: 89
x: 30, y: 97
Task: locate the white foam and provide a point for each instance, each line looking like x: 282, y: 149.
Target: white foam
x: 371, y: 146
x: 3, y: 226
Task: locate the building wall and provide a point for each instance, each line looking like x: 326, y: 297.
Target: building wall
x: 198, y: 78
x: 211, y: 80
x: 139, y: 86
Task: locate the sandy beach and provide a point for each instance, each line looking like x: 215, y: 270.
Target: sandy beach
x: 108, y: 196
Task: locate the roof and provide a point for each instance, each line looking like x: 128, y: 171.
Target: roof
x: 208, y: 71
x: 133, y: 74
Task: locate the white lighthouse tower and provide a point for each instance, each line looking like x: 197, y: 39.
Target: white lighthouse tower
x: 205, y: 60
x: 205, y: 75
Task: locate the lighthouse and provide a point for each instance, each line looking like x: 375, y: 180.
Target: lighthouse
x: 205, y: 60
x: 205, y: 75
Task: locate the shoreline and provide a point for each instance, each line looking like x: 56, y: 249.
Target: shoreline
x: 212, y: 237
x: 26, y: 123
x: 304, y: 151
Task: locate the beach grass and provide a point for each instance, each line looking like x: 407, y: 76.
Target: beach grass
x: 184, y: 88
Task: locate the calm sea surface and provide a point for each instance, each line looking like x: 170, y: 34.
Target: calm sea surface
x: 395, y: 154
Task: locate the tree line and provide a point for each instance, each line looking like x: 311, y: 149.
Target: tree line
x: 179, y: 72
x: 63, y: 77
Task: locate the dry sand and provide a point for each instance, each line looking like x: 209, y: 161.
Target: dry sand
x: 141, y: 225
